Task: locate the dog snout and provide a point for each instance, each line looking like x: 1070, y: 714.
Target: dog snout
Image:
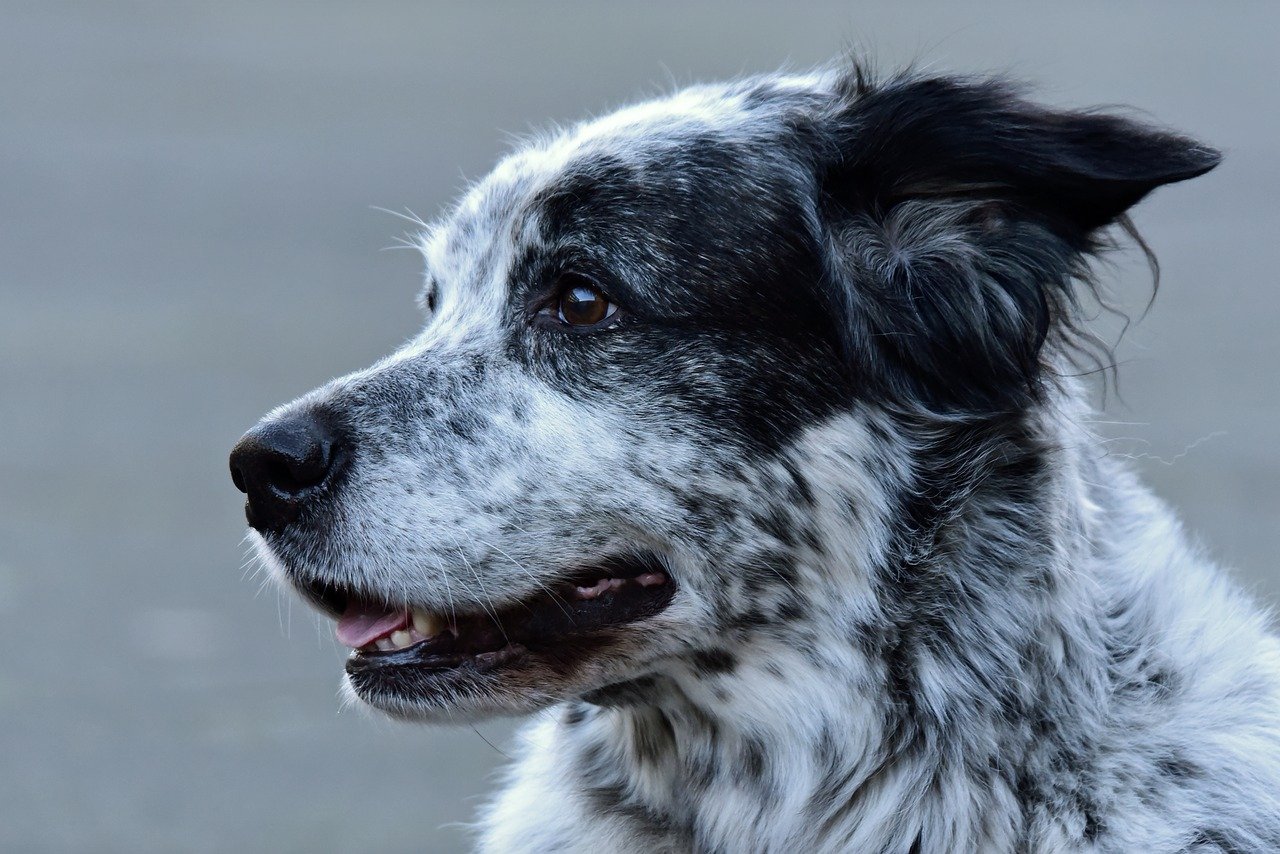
x: 281, y: 465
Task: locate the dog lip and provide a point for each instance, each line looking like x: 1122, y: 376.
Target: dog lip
x: 566, y: 622
x: 421, y: 656
x: 333, y: 599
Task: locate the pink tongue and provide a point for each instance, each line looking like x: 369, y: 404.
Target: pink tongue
x: 362, y: 623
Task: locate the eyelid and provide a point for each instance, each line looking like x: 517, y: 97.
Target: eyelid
x: 549, y: 295
x: 568, y: 279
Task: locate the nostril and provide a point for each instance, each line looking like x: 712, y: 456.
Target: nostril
x: 292, y: 474
x: 280, y: 475
x: 236, y: 477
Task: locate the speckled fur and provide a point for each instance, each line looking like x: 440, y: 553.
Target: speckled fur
x: 919, y: 609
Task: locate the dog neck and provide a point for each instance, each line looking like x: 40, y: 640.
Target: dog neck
x: 908, y: 704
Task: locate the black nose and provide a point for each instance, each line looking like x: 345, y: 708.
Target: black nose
x: 280, y: 464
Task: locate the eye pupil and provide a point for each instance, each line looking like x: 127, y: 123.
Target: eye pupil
x: 583, y: 305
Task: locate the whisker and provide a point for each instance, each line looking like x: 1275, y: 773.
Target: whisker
x: 491, y: 609
x: 559, y: 600
x: 555, y: 597
x: 409, y: 216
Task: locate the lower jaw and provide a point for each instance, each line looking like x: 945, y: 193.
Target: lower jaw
x: 510, y: 681
x: 410, y: 660
x: 519, y: 678
x: 520, y: 659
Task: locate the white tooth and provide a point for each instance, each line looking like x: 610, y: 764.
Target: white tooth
x: 401, y: 638
x: 428, y: 625
x: 385, y: 644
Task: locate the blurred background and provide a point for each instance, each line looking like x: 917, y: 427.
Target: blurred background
x: 187, y: 239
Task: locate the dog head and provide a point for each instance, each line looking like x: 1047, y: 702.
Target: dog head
x: 651, y: 413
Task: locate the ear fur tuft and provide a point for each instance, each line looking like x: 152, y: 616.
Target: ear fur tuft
x: 960, y: 218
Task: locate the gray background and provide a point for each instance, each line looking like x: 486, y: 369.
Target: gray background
x: 187, y: 240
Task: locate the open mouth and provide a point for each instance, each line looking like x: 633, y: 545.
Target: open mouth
x: 565, y: 621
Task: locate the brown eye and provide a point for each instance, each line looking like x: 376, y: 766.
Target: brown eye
x: 582, y: 304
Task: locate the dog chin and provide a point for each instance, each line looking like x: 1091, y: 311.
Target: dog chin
x: 517, y: 683
x: 464, y: 702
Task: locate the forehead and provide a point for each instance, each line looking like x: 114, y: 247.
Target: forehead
x: 653, y: 158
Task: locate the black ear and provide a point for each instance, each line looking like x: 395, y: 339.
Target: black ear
x: 960, y: 216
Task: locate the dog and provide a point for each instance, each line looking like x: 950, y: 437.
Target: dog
x: 745, y: 447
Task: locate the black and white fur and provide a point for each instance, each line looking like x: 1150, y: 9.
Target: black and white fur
x: 919, y: 609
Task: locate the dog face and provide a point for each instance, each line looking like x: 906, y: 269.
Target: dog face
x: 654, y: 408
